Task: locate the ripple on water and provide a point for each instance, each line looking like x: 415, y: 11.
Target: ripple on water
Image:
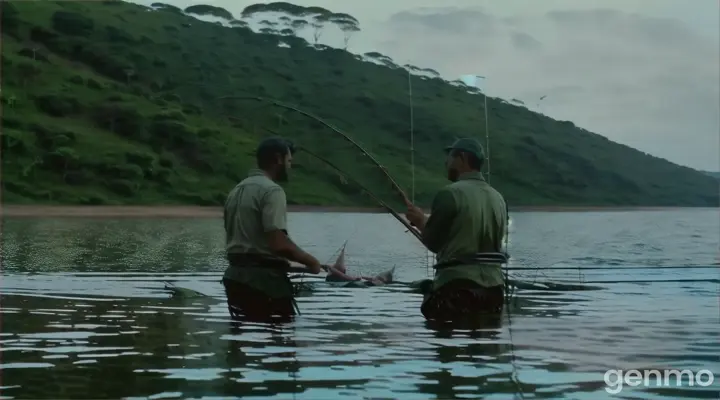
x: 97, y: 332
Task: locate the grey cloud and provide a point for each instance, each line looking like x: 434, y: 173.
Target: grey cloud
x: 523, y: 41
x: 647, y: 82
x: 449, y: 20
x: 661, y: 31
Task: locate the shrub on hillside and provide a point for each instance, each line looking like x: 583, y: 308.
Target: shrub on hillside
x: 170, y: 115
x: 57, y: 105
x: 9, y: 122
x: 14, y: 142
x: 117, y: 35
x: 147, y: 162
x: 33, y: 54
x: 101, y: 61
x: 77, y: 79
x: 78, y: 178
x: 22, y: 74
x: 61, y: 159
x: 191, y: 109
x: 51, y: 138
x: 93, y: 200
x: 121, y: 119
x: 122, y: 187
x: 95, y: 85
x: 72, y: 24
x: 172, y: 135
x: 161, y: 175
x: 8, y: 18
x: 171, y: 97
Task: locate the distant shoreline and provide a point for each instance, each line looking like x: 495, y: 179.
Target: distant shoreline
x: 216, y: 212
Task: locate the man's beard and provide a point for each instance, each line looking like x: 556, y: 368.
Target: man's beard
x: 452, y: 175
x: 282, y: 174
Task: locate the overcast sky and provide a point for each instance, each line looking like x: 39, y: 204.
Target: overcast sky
x: 645, y: 73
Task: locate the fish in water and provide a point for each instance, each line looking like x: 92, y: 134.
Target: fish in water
x: 338, y: 273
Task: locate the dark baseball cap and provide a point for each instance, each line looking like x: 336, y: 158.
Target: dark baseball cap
x: 468, y: 145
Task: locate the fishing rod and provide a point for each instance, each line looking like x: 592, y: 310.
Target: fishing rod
x: 371, y: 194
x: 613, y: 268
x: 660, y: 281
x: 280, y: 104
x: 428, y: 254
x: 412, y: 136
x: 301, y: 270
x: 361, y: 186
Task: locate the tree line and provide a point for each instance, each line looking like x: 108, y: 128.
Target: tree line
x: 293, y: 19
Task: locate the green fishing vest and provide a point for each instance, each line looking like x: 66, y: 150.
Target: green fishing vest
x: 467, y: 217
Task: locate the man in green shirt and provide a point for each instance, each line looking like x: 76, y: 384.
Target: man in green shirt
x: 258, y: 247
x: 466, y: 230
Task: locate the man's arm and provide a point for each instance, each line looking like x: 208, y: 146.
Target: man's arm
x: 274, y: 217
x: 437, y: 226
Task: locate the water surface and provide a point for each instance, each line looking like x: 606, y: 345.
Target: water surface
x: 85, y: 313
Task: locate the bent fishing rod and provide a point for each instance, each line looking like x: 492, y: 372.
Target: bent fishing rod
x: 394, y: 184
x: 348, y: 178
x: 280, y: 104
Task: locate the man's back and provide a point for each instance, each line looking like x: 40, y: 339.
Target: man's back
x: 480, y: 223
x: 479, y: 226
x: 246, y: 207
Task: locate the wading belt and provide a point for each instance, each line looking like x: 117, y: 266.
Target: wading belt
x: 479, y: 258
x: 256, y: 260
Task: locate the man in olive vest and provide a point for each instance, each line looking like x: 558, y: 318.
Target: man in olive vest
x: 257, y: 243
x: 466, y: 230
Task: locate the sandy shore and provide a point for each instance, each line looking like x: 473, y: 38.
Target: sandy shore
x: 216, y: 212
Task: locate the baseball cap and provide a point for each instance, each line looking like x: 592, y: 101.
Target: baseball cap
x: 468, y: 145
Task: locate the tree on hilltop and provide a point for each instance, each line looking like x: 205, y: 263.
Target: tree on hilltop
x: 317, y: 17
x: 347, y: 24
x: 203, y: 9
x: 298, y: 25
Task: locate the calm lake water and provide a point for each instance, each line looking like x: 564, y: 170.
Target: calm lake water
x: 85, y: 313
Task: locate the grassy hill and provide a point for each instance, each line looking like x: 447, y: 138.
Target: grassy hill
x: 113, y: 103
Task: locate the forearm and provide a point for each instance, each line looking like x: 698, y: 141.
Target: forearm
x: 437, y: 226
x: 293, y: 252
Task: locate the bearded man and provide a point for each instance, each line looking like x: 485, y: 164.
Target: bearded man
x: 258, y: 247
x: 466, y: 230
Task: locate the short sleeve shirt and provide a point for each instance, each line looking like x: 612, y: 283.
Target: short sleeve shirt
x: 255, y: 206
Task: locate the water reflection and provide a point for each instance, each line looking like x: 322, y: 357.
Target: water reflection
x: 86, y: 315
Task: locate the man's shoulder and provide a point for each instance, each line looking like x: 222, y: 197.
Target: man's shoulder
x: 260, y: 182
x: 474, y: 189
x: 471, y: 184
x: 460, y: 186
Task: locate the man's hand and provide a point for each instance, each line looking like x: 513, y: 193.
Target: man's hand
x: 316, y: 268
x: 415, y: 215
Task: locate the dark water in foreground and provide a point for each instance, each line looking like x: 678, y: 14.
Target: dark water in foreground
x: 85, y: 313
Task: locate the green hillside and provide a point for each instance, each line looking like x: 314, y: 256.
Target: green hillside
x: 113, y: 103
x: 715, y: 175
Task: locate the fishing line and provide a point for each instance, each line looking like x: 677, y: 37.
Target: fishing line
x: 364, y: 152
x: 615, y: 268
x: 348, y: 177
x: 428, y: 254
x: 354, y: 181
x: 660, y: 281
